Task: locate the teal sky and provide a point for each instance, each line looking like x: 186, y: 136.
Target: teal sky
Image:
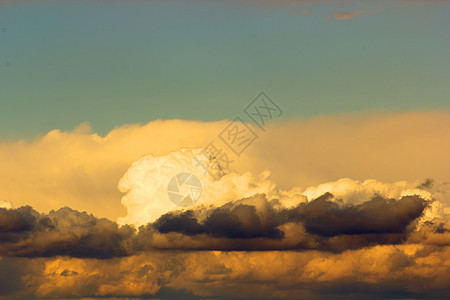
x: 114, y: 62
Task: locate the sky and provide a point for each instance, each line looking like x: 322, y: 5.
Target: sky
x: 224, y: 149
x: 115, y: 62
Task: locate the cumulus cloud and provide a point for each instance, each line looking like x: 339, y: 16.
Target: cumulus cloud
x: 146, y: 198
x: 146, y: 185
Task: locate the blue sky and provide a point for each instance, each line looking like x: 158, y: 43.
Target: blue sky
x: 112, y: 62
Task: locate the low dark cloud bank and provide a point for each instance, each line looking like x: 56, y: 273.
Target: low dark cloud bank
x: 320, y: 216
x: 321, y: 224
x: 26, y: 233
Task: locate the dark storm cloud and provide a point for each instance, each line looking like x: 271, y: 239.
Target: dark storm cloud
x: 322, y: 216
x: 11, y: 272
x: 16, y: 221
x: 250, y: 224
x: 377, y: 216
x: 26, y: 233
x: 240, y: 221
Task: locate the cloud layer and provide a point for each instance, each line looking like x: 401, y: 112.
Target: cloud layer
x: 371, y: 250
x: 81, y: 169
x: 302, y: 230
x: 249, y: 224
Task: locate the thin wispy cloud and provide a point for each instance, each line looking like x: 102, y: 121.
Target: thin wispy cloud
x: 347, y: 15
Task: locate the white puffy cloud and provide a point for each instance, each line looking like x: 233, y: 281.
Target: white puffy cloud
x: 145, y: 185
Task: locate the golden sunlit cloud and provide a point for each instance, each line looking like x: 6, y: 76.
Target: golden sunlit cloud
x: 285, y: 220
x: 81, y: 169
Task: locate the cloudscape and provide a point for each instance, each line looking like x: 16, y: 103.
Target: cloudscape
x: 224, y: 149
